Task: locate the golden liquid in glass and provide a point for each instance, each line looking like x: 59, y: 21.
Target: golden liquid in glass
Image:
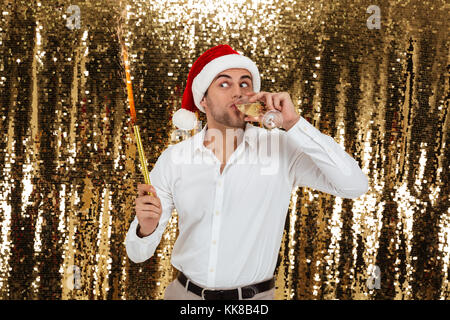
x: 254, y: 109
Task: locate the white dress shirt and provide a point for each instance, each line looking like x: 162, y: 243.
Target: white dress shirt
x: 231, y: 224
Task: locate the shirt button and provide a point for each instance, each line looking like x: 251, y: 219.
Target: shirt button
x: 219, y: 184
x: 211, y: 270
x: 304, y: 128
x: 217, y: 213
x: 214, y: 242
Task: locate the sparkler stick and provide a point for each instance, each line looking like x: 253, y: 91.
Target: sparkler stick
x: 137, y: 135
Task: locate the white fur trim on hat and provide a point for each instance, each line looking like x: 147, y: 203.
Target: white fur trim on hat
x: 184, y: 119
x: 203, y: 80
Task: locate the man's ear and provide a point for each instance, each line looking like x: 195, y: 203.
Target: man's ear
x: 203, y: 102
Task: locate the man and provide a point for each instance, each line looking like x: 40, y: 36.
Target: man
x: 231, y: 183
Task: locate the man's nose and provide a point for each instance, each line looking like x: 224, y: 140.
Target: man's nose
x: 237, y: 92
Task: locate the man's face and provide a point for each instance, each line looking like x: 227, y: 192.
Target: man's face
x: 226, y: 88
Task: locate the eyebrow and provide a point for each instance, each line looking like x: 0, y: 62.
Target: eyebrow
x: 227, y: 76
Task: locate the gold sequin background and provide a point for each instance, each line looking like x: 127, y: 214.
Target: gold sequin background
x: 69, y: 165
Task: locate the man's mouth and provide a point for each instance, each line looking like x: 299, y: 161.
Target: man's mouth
x: 233, y: 106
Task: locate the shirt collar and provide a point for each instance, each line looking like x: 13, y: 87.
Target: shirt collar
x: 250, y: 137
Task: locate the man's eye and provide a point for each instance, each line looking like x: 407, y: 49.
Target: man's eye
x: 225, y: 84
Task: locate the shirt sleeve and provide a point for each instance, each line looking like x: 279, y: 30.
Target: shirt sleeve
x: 315, y: 160
x: 140, y: 249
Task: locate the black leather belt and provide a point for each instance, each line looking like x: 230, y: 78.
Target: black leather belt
x: 230, y: 294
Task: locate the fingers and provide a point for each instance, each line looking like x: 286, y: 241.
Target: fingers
x: 144, y: 188
x: 276, y: 102
x: 147, y: 214
x: 271, y: 100
x: 260, y: 96
x: 253, y: 119
x: 265, y: 97
x: 148, y: 208
x: 148, y: 211
x: 146, y: 203
x: 149, y: 200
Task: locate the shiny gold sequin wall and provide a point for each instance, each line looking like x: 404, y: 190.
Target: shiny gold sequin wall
x: 374, y: 75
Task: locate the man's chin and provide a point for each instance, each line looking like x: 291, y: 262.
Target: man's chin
x: 236, y: 125
x: 233, y: 122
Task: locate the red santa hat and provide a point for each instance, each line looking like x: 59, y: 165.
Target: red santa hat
x: 202, y: 73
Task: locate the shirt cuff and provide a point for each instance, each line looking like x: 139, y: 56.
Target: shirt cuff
x: 133, y: 237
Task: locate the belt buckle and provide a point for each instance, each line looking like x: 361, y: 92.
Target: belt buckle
x: 220, y: 292
x: 203, y: 293
x: 254, y: 291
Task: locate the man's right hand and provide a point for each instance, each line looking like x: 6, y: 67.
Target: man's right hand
x: 148, y: 209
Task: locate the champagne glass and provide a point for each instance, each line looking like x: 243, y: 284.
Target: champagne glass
x: 270, y: 119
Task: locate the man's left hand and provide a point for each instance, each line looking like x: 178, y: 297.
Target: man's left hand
x: 280, y: 101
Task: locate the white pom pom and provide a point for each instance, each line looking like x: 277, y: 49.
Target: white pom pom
x: 184, y: 119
